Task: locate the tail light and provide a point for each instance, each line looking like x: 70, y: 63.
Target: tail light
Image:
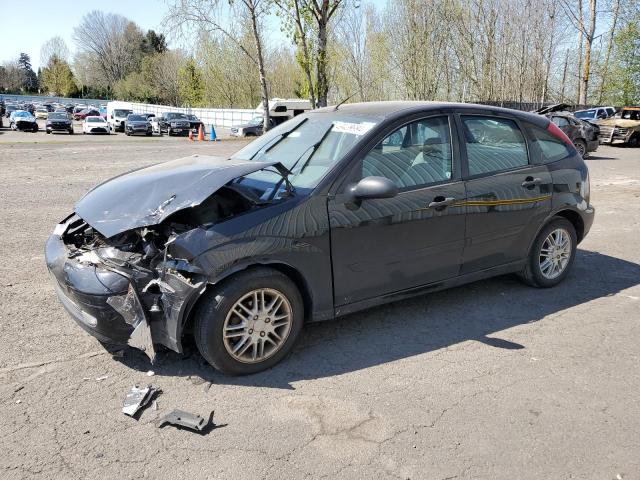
x: 554, y: 130
x: 585, y: 188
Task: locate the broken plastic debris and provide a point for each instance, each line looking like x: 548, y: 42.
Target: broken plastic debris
x: 188, y: 420
x: 150, y: 373
x: 104, y: 377
x: 138, y: 398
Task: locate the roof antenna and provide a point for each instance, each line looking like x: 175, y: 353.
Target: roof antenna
x: 335, y: 109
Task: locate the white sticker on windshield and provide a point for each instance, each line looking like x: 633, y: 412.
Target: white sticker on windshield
x: 352, y: 128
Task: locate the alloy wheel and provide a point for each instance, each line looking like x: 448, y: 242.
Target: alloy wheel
x: 555, y: 253
x: 257, y: 325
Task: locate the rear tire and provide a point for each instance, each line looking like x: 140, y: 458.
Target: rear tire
x: 540, y: 273
x: 214, y: 316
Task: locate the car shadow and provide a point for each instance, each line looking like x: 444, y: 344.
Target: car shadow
x: 476, y: 312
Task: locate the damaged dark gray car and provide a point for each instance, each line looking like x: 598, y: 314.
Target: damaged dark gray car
x: 334, y: 211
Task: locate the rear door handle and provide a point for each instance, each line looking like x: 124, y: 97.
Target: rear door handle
x: 441, y: 202
x: 531, y: 182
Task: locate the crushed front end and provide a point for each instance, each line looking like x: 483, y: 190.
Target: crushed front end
x: 124, y: 290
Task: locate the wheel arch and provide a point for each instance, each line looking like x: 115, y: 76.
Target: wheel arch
x: 289, y: 271
x: 575, y: 219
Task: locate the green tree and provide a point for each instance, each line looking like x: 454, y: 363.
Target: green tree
x: 30, y: 82
x: 190, y: 84
x: 624, y: 85
x: 57, y: 78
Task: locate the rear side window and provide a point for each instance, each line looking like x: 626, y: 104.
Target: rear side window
x: 548, y: 147
x: 560, y: 121
x: 493, y: 144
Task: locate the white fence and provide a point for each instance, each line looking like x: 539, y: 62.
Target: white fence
x: 220, y: 117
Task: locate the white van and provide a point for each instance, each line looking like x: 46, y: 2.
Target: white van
x: 117, y: 114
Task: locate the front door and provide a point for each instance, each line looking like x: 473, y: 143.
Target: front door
x: 381, y: 246
x: 507, y: 197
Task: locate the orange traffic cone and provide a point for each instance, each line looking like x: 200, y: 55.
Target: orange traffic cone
x: 190, y: 135
x: 201, y: 134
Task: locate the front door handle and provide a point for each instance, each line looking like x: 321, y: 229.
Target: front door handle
x: 441, y: 202
x: 531, y: 182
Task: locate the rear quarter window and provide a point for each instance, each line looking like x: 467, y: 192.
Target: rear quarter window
x: 546, y: 147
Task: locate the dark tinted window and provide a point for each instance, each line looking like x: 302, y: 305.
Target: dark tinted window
x: 493, y: 144
x: 58, y: 116
x: 549, y: 148
x: 415, y: 155
x: 137, y: 118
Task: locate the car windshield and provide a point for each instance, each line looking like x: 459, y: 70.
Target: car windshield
x: 308, y: 145
x: 586, y: 114
x: 256, y: 120
x: 175, y: 116
x: 95, y: 119
x: 136, y: 118
x: 57, y: 116
x: 121, y: 113
x: 192, y: 117
x: 21, y: 114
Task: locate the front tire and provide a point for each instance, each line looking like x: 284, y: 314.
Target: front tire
x: 634, y: 141
x: 581, y: 147
x: 551, y: 255
x: 250, y: 322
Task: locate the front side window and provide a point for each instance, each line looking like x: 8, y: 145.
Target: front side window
x: 493, y: 144
x: 560, y: 121
x: 415, y: 155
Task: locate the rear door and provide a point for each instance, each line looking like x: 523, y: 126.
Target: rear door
x: 507, y: 195
x: 381, y: 246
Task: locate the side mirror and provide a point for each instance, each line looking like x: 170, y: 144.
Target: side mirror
x: 374, y: 187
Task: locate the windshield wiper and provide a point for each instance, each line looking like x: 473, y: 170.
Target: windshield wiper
x: 285, y: 172
x: 278, y: 139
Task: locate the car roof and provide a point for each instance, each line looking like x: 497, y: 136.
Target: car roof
x: 392, y: 108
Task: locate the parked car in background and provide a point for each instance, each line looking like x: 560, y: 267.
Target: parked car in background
x: 194, y: 123
x: 3, y: 110
x: 23, y: 120
x: 583, y: 134
x: 336, y: 211
x: 87, y: 112
x: 117, y: 113
x: 174, y: 123
x: 95, y: 124
x: 596, y: 113
x: 59, y: 122
x: 252, y: 128
x: 624, y: 127
x: 41, y: 112
x: 137, y: 125
x: 103, y: 112
x: 10, y: 108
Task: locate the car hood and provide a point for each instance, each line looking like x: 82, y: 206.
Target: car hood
x: 619, y: 122
x: 247, y: 125
x: 149, y: 195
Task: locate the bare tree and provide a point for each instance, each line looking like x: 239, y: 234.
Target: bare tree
x: 206, y: 15
x: 605, y: 67
x: 114, y: 41
x: 54, y: 47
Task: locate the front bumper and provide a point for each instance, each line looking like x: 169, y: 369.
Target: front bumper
x: 22, y: 125
x: 83, y: 290
x: 99, y: 130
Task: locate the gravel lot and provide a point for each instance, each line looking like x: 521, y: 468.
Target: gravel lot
x: 491, y: 380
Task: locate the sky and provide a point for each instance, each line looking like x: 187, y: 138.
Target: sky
x: 34, y: 22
